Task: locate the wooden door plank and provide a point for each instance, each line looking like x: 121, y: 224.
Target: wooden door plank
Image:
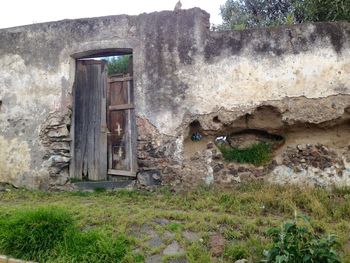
x: 90, y: 142
x: 130, y: 132
x: 121, y: 107
x: 133, y: 128
x: 119, y: 79
x: 103, y: 128
x: 79, y: 141
x: 126, y: 89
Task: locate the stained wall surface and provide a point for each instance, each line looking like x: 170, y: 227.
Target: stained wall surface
x: 183, y: 72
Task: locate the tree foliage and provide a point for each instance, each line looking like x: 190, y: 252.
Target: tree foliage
x: 324, y: 10
x: 242, y: 14
x: 118, y: 65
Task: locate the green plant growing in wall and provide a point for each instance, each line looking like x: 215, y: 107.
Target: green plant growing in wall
x: 257, y: 154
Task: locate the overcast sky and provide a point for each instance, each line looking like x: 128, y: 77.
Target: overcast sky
x: 22, y: 12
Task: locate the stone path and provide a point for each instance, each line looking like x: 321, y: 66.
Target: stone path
x: 165, y: 241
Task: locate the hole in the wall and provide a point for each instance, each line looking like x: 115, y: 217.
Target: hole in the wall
x: 194, y: 140
x: 195, y: 131
x: 263, y: 138
x: 251, y: 146
x: 248, y: 137
x: 195, y: 124
x: 265, y: 118
x: 0, y: 104
x: 216, y: 119
x: 263, y: 125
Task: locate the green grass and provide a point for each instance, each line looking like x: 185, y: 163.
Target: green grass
x: 174, y: 227
x: 32, y: 234
x: 49, y: 234
x: 197, y: 253
x: 235, y: 252
x: 257, y: 154
x: 92, y: 246
x: 109, y: 224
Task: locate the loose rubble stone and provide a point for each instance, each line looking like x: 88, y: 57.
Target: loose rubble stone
x: 149, y: 178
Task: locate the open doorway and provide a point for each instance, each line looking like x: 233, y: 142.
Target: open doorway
x: 104, y: 140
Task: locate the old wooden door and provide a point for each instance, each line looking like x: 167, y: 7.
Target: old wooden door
x: 89, y: 121
x: 121, y: 126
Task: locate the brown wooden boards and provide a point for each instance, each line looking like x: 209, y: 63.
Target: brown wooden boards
x: 121, y: 160
x: 89, y: 120
x: 103, y: 124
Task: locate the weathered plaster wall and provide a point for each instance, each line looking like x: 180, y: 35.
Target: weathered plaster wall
x: 182, y: 72
x: 37, y: 66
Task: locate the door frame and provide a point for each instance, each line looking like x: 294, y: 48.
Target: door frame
x: 94, y: 54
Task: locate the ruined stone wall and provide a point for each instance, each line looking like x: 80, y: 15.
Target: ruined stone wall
x: 291, y: 81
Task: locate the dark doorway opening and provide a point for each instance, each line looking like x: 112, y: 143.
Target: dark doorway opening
x: 104, y: 129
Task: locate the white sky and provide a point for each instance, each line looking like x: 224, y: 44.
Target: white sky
x: 22, y: 12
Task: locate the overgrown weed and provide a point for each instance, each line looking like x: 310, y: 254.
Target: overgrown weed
x: 242, y: 215
x: 257, y: 154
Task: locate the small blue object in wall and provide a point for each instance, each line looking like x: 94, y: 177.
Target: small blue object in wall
x: 196, y: 137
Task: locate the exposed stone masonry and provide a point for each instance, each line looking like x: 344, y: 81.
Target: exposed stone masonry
x: 317, y: 156
x: 55, y: 137
x: 209, y: 167
x: 155, y: 156
x: 313, y: 165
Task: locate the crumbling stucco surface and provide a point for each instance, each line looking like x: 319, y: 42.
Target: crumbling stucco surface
x: 183, y: 72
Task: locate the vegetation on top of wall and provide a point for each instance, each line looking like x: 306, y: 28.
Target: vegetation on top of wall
x: 257, y: 154
x: 243, y: 14
x: 118, y: 65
